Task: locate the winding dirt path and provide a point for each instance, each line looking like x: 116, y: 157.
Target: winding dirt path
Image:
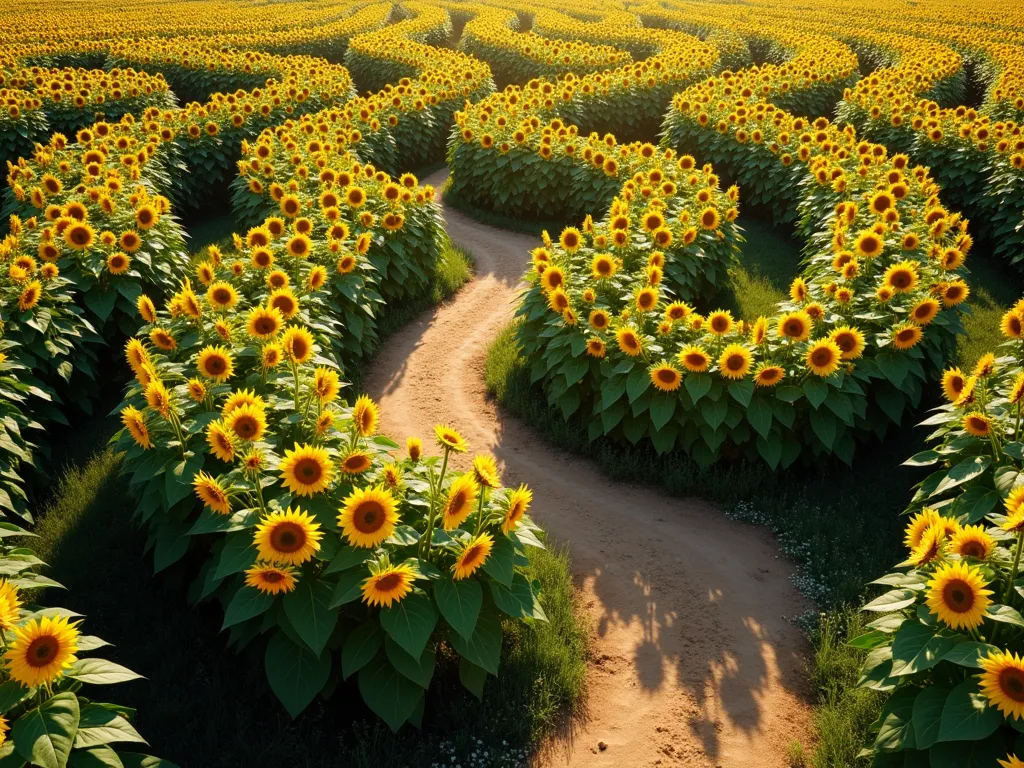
x: 694, y: 662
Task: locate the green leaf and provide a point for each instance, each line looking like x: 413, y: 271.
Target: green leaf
x: 662, y: 408
x: 969, y: 654
x: 896, y: 729
x: 296, y: 674
x: 875, y: 673
x: 637, y: 383
x: 968, y: 754
x: 519, y: 600
x: 759, y: 414
x: 893, y: 600
x: 1005, y: 614
x: 97, y: 757
x: 927, y: 715
x: 348, y: 557
x: 246, y: 603
x: 816, y: 391
x: 308, y: 610
x: 459, y: 603
x: 420, y: 670
x: 11, y: 695
x: 500, y: 564
x: 360, y: 647
x: 968, y: 469
x: 410, y: 622
x: 976, y: 502
x: 100, y: 672
x: 389, y: 693
x: 99, y: 725
x: 967, y: 716
x: 238, y: 554
x: 484, y: 647
x: 348, y: 588
x: 698, y: 385
x: 917, y: 647
x: 45, y: 735
x: 472, y: 677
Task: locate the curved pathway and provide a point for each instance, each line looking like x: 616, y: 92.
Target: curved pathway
x: 693, y: 661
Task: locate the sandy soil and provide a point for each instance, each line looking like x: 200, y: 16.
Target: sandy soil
x: 694, y: 662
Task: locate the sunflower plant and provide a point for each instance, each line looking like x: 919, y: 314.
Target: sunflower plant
x: 948, y: 640
x: 346, y: 559
x: 45, y: 721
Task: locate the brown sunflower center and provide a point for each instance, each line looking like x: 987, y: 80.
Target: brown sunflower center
x: 1011, y: 682
x: 958, y: 596
x: 215, y: 365
x: 246, y: 426
x: 273, y: 577
x: 288, y: 537
x: 734, y: 362
x: 369, y: 517
x: 471, y: 556
x: 356, y: 463
x: 42, y: 651
x: 222, y: 296
x: 388, y: 582
x: 821, y: 357
x: 265, y: 325
x: 79, y: 235
x: 972, y: 549
x: 308, y: 471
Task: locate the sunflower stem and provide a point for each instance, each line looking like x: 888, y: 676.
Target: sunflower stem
x: 480, y: 511
x: 1016, y: 427
x: 295, y: 378
x: 434, y: 499
x: 1013, y: 573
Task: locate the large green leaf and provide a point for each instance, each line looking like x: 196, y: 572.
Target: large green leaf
x: 917, y: 647
x: 296, y: 674
x: 247, y: 603
x: 45, y: 735
x: 133, y: 760
x: 484, y: 647
x: 500, y: 564
x: 472, y: 677
x: 388, y: 692
x: 95, y: 757
x: 896, y: 729
x: 410, y: 622
x: 100, y: 672
x: 969, y: 653
x: 968, y: 754
x: 360, y: 647
x: 308, y: 609
x: 967, y: 715
x: 98, y: 725
x: 348, y: 588
x: 927, y: 716
x: 459, y: 603
x: 518, y: 601
x: 420, y: 670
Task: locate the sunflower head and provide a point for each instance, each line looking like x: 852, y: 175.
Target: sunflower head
x: 473, y: 555
x: 271, y: 579
x: 462, y: 497
x: 306, y: 470
x: 387, y: 585
x: 368, y: 517
x: 365, y: 416
x: 42, y: 649
x: 449, y: 439
x: 291, y: 537
x: 957, y: 595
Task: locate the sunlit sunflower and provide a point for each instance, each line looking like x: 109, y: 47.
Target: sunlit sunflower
x: 823, y: 357
x: 1011, y: 761
x: 917, y: 526
x: 694, y: 359
x: 666, y: 377
x: 768, y: 375
x: 931, y: 547
x: 596, y: 348
x: 795, y: 325
x: 972, y: 541
x: 901, y: 277
x: 212, y: 493
x: 957, y: 595
x: 953, y: 383
x: 462, y: 496
x: 264, y: 322
x: 449, y: 439
x: 924, y: 311
x: 247, y: 422
x: 472, y: 556
x: 485, y: 470
x: 628, y: 341
x: 365, y: 416
x: 326, y: 384
x: 42, y: 649
x: 977, y: 424
x: 10, y: 605
x: 297, y: 343
x: 135, y: 422
x: 158, y: 398
x: 216, y: 364
x: 163, y: 339
x: 414, y: 447
x: 1011, y: 325
x: 271, y: 579
x: 368, y: 517
x: 222, y: 295
x: 552, y: 278
x: 356, y: 462
x: 388, y: 585
x: 720, y: 322
x: 306, y: 470
x: 734, y: 362
x: 288, y: 538
x: 985, y: 366
x: 1002, y: 682
x: 849, y: 340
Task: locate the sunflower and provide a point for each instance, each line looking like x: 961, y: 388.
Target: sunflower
x: 646, y: 299
x: 849, y: 340
x: 734, y: 362
x: 414, y: 447
x: 823, y: 357
x: 955, y: 293
x: 283, y: 300
x: 212, y: 493
x: 694, y: 359
x: 628, y: 341
x: 472, y: 556
x: 264, y: 322
x: 247, y: 422
x: 326, y: 384
x: 901, y: 277
x: 306, y: 470
x: 356, y: 462
x: 158, y: 398
x: 972, y: 541
x: 365, y: 415
x: 10, y: 605
x: 297, y: 343
x: 146, y: 308
x: 1002, y: 682
x: 271, y: 356
x: 42, y: 650
x: 552, y: 278
x: 985, y: 366
x: 271, y: 579
x: 216, y: 364
x: 977, y: 424
x: 79, y: 236
x: 798, y: 290
x: 135, y: 421
x: 1016, y: 393
x: 288, y: 538
x: 368, y: 517
x: 30, y: 296
x: 924, y: 311
x: 967, y: 393
x: 666, y: 377
x: 953, y: 383
x: 449, y: 439
x: 907, y: 336
x: 603, y: 266
x: 868, y: 244
x: 1011, y: 761
x: 932, y: 546
x: 795, y: 325
x: 118, y: 263
x: 462, y: 495
x: 570, y: 239
x: 388, y: 585
x: 919, y: 524
x: 1011, y: 325
x: 768, y: 375
x: 196, y: 390
x: 957, y: 595
x: 596, y: 348
x: 720, y: 322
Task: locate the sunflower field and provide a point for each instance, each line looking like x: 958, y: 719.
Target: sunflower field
x: 635, y: 141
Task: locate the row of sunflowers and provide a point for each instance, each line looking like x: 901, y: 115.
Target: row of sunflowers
x: 347, y: 560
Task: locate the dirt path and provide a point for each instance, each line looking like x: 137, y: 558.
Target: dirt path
x: 694, y: 663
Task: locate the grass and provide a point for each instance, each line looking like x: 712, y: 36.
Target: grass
x: 768, y: 262
x: 232, y: 717
x: 512, y: 224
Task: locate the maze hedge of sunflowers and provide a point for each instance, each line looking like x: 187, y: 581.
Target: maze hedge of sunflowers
x: 875, y: 131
